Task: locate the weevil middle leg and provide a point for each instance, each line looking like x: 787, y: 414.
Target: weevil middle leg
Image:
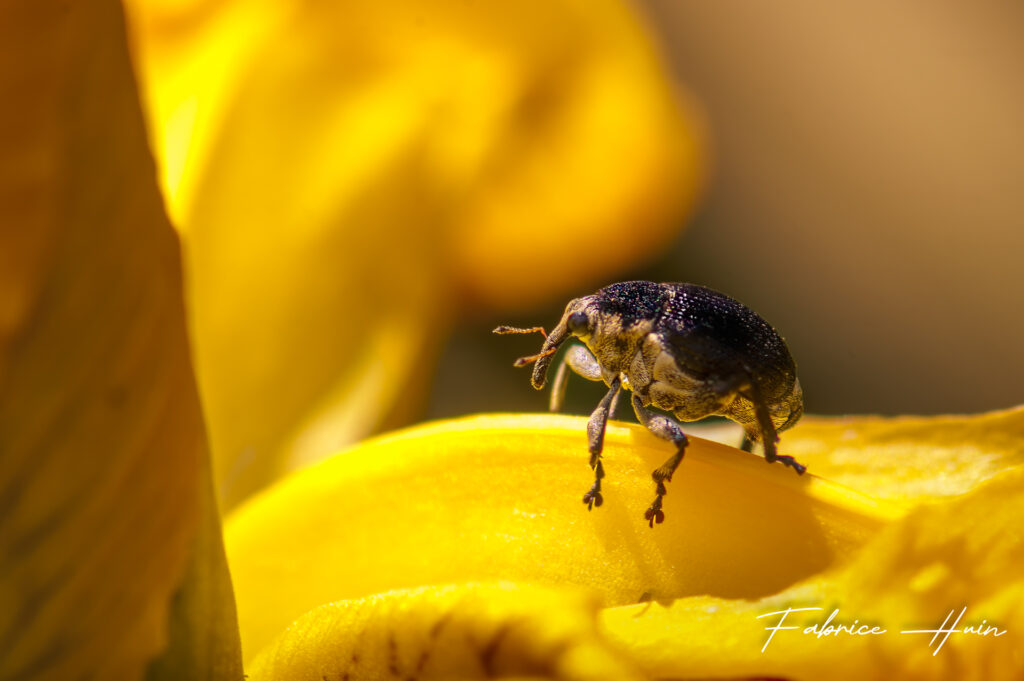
x: 669, y: 429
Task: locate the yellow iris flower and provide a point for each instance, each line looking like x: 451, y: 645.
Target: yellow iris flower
x: 455, y: 549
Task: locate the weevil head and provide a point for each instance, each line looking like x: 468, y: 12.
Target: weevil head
x: 611, y: 323
x: 573, y: 322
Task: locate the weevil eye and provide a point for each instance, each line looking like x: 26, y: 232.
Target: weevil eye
x: 577, y: 323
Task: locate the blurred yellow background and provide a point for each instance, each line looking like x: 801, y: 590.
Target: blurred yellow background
x: 364, y: 193
x: 866, y: 197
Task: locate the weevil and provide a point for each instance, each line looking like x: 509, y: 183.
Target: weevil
x: 679, y: 348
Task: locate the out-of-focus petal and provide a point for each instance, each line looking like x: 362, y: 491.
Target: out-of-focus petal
x: 102, y: 445
x: 473, y: 631
x: 499, y: 497
x: 349, y: 176
x: 967, y: 552
x: 550, y: 131
x: 586, y: 161
x: 312, y: 331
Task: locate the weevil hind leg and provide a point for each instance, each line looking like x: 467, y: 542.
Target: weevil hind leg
x: 595, y: 437
x: 769, y: 436
x: 669, y: 429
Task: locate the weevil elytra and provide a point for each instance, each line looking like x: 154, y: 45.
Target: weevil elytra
x: 680, y: 348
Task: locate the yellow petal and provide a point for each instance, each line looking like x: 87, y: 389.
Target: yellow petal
x: 102, y: 445
x: 470, y: 631
x: 499, y: 497
x: 966, y: 553
x: 910, y: 459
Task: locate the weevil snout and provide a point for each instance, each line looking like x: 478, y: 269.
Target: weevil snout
x: 575, y: 321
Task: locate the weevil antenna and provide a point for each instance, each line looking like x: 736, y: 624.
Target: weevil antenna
x: 515, y: 329
x: 542, y: 359
x: 523, y: 361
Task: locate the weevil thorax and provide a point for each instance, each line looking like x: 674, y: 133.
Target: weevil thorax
x: 613, y: 322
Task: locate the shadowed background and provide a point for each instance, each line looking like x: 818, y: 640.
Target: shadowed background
x: 865, y: 199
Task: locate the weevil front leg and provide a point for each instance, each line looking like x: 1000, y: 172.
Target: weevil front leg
x: 582, y: 362
x: 669, y: 429
x: 595, y: 437
x: 579, y: 359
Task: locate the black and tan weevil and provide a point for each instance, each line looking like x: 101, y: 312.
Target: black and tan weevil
x: 680, y: 348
